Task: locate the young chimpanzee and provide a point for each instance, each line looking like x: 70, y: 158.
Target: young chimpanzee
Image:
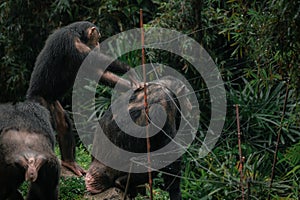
x: 27, y: 152
x: 55, y: 72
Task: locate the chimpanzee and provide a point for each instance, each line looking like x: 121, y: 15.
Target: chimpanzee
x: 27, y: 152
x: 100, y: 177
x: 54, y: 74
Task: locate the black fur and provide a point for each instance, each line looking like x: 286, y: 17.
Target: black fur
x: 157, y: 94
x: 58, y: 62
x: 25, y: 136
x: 26, y: 116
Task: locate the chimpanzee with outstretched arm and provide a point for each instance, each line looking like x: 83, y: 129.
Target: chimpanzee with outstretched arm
x: 54, y: 74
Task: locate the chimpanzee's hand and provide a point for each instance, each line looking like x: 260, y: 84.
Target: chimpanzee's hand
x: 135, y: 83
x: 74, y: 167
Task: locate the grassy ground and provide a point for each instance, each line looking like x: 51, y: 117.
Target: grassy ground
x: 73, y: 188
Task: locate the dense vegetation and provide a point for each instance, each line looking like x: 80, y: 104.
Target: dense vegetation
x: 255, y: 45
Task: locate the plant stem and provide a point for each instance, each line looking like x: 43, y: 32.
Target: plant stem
x: 240, y: 166
x: 278, y: 139
x: 146, y: 105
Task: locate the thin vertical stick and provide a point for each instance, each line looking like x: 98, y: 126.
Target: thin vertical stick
x: 127, y: 182
x: 278, y: 139
x: 143, y: 50
x: 146, y: 104
x: 249, y: 188
x: 240, y: 167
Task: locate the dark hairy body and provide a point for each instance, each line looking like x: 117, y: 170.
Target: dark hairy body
x: 27, y: 152
x: 54, y: 74
x: 100, y: 177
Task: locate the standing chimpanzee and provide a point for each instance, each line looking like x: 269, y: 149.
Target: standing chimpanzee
x: 54, y: 74
x: 27, y: 152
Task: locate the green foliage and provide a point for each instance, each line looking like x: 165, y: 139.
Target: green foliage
x: 217, y: 177
x: 116, y: 16
x: 292, y: 154
x: 24, y: 188
x: 71, y: 188
x: 255, y: 44
x: 74, y: 187
x: 83, y: 157
x: 265, y: 33
x: 261, y: 108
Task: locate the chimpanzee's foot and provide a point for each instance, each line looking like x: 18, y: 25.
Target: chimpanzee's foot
x: 74, y: 167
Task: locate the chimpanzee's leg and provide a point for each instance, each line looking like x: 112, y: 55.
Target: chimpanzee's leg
x: 46, y: 185
x: 65, y: 138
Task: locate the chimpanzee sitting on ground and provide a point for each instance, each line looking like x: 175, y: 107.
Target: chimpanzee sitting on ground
x: 27, y: 152
x: 55, y: 72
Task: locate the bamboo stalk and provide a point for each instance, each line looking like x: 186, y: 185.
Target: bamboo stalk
x: 278, y: 140
x: 127, y: 182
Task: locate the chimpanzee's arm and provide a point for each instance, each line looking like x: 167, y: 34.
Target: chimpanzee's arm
x: 116, y: 66
x: 110, y: 79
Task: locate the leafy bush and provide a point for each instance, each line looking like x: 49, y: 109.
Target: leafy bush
x: 71, y: 188
x: 255, y: 44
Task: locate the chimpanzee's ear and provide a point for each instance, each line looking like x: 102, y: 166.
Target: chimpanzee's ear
x: 92, y: 31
